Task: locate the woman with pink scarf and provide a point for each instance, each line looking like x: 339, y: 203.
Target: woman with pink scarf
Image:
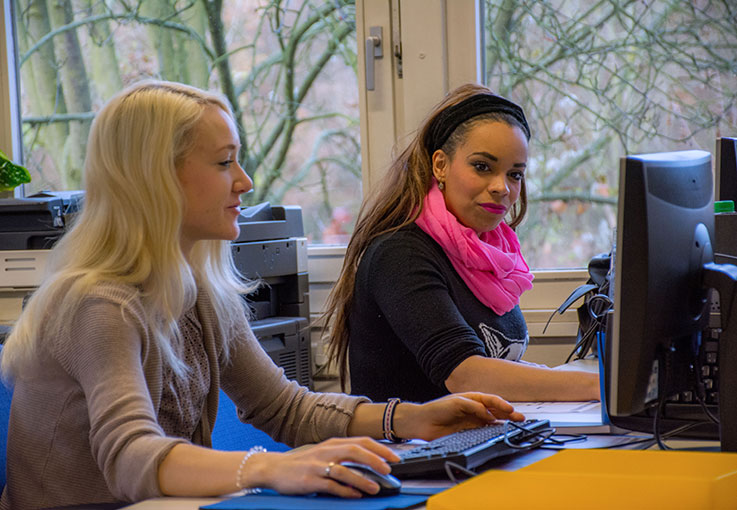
x: 428, y: 299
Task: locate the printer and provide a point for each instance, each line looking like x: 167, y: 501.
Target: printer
x: 272, y: 249
x: 29, y: 227
x: 37, y: 221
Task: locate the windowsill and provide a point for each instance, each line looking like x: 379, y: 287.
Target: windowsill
x: 331, y: 251
x: 325, y: 250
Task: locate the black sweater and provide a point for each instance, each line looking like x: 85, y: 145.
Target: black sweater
x: 414, y: 320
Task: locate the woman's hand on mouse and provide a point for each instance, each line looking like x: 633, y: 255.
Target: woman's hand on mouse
x: 317, y: 468
x: 450, y: 414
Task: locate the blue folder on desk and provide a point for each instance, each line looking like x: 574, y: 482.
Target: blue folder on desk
x: 270, y: 500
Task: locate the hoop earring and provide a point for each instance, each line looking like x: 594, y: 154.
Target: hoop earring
x: 441, y: 185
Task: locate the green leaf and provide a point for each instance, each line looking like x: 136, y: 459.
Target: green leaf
x: 11, y: 175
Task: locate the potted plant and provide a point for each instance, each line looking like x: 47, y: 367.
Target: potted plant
x: 11, y: 176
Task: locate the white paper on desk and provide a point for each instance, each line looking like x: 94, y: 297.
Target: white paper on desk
x: 583, y: 416
x: 558, y: 407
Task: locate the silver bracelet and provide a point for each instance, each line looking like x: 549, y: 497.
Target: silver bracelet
x: 239, y: 473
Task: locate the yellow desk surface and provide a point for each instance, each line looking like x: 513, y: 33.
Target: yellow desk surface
x: 606, y: 480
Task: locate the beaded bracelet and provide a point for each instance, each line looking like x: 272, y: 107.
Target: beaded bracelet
x: 388, y: 421
x: 239, y: 473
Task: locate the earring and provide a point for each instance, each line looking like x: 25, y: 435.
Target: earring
x: 441, y: 185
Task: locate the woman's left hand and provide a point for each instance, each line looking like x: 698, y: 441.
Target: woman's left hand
x: 450, y: 414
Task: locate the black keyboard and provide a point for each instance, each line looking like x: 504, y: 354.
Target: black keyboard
x: 467, y: 448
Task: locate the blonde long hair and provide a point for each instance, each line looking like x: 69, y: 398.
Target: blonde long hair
x: 129, y: 229
x: 397, y: 202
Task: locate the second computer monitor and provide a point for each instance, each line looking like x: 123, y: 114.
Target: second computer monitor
x: 664, y: 230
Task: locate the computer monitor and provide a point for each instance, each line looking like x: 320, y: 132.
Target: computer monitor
x: 726, y: 169
x: 663, y: 267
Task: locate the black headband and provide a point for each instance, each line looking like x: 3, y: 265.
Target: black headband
x: 449, y: 119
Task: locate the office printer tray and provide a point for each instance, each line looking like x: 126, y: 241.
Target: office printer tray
x: 278, y: 223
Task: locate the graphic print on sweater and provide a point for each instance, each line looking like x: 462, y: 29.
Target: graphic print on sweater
x: 498, y: 345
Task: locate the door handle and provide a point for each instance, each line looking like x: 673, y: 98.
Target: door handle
x: 373, y: 51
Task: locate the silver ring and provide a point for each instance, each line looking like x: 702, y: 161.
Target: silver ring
x: 328, y: 468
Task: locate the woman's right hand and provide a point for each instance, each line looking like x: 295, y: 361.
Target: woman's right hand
x: 317, y: 468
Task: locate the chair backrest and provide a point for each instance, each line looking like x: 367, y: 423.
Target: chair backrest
x: 231, y: 434
x: 6, y: 395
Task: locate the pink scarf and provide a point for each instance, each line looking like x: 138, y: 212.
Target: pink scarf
x: 491, y: 265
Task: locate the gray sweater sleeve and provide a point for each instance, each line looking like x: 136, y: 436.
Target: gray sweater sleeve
x: 108, y: 353
x: 288, y: 412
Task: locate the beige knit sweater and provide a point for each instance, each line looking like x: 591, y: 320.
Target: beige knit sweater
x: 83, y: 425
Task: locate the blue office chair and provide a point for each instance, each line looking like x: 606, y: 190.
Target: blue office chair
x: 231, y: 434
x: 6, y: 394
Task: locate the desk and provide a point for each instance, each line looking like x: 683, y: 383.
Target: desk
x: 511, y: 463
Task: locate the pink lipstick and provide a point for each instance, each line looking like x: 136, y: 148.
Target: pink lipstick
x: 494, y: 208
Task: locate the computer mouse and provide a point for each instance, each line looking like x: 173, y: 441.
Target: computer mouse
x: 388, y: 485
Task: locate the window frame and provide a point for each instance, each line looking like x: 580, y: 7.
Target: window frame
x: 10, y: 135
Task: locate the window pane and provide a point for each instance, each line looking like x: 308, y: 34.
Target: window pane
x: 599, y: 80
x: 287, y: 67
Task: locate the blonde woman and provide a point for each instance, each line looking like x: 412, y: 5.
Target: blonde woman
x: 118, y: 357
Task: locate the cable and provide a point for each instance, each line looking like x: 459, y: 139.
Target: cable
x: 633, y: 441
x: 597, y: 306
x: 450, y: 466
x: 675, y: 432
x: 660, y: 410
x: 549, y: 319
x: 706, y: 410
x: 540, y: 435
x: 569, y: 438
x: 639, y: 440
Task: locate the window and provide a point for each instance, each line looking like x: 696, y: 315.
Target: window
x: 287, y: 67
x: 597, y: 80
